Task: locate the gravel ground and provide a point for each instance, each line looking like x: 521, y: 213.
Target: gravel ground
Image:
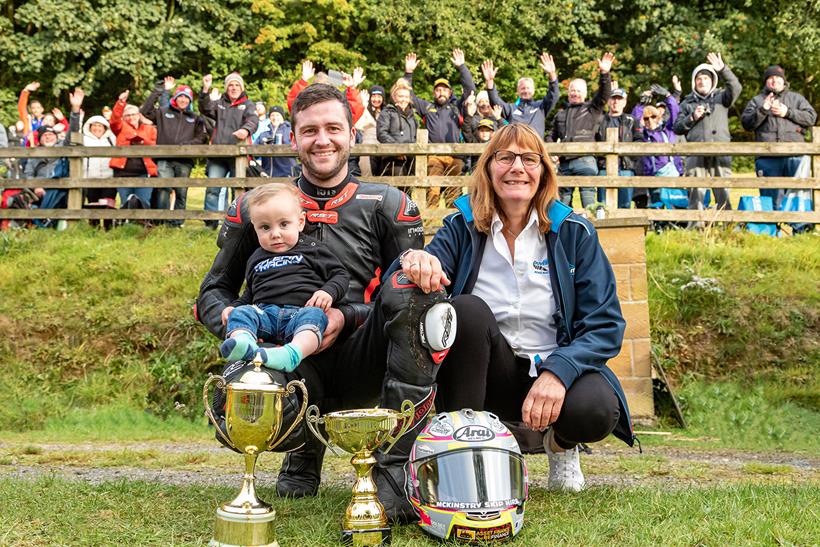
x: 726, y: 465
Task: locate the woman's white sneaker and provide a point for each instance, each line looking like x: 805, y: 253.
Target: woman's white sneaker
x: 565, y: 468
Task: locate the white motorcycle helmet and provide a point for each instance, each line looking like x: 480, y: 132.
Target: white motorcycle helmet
x: 467, y: 479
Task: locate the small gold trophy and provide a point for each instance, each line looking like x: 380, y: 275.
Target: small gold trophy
x: 360, y: 432
x: 253, y: 420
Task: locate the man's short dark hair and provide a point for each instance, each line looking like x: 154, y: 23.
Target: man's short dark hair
x: 319, y: 93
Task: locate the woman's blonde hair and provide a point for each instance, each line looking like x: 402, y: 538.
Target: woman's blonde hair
x: 400, y: 84
x: 483, y: 198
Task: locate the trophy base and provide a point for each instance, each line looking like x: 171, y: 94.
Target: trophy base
x: 243, y: 530
x: 362, y: 538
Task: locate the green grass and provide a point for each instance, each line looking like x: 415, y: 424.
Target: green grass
x: 50, y: 511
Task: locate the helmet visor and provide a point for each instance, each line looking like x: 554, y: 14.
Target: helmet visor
x: 471, y: 479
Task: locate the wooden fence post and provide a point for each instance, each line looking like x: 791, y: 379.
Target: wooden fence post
x: 75, y: 195
x: 815, y: 166
x: 611, y: 169
x: 419, y: 193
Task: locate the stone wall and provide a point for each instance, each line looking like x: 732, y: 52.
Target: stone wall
x: 623, y: 242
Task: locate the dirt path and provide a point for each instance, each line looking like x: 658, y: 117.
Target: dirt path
x: 668, y: 467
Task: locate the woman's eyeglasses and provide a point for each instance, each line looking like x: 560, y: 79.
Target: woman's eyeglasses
x: 528, y: 159
x: 647, y: 118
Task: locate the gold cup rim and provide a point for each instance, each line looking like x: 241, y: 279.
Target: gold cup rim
x: 265, y: 388
x: 372, y: 413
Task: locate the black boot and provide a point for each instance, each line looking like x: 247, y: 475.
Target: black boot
x: 418, y: 341
x: 301, y: 471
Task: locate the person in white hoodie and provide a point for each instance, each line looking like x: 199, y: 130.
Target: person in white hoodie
x: 97, y: 133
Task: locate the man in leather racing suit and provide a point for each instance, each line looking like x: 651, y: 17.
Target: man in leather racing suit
x: 372, y: 351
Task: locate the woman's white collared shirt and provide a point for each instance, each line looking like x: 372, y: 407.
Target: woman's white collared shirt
x: 519, y: 291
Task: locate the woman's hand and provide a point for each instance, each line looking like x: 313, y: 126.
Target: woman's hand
x: 424, y: 270
x: 543, y: 402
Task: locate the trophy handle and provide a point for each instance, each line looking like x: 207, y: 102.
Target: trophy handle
x: 291, y: 389
x: 220, y: 384
x: 406, y: 415
x: 313, y: 420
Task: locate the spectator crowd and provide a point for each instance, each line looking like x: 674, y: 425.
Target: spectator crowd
x: 394, y: 112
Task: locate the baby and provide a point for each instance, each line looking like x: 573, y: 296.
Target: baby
x: 290, y: 281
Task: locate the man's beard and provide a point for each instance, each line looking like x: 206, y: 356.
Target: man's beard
x: 313, y: 173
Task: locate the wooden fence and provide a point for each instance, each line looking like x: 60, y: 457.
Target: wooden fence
x: 610, y: 149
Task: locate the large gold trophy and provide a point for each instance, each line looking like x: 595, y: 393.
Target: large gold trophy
x: 253, y: 421
x: 360, y: 432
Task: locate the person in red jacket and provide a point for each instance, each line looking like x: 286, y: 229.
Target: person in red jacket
x: 126, y: 125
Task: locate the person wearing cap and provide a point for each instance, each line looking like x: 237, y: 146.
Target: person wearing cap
x: 475, y: 109
x: 580, y: 121
x: 704, y: 117
x: 526, y: 109
x: 777, y: 114
x: 277, y: 132
x: 443, y: 121
x: 627, y: 130
x: 176, y: 123
x: 235, y: 120
x: 367, y: 128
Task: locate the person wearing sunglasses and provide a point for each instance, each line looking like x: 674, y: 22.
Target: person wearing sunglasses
x: 537, y: 312
x: 654, y: 128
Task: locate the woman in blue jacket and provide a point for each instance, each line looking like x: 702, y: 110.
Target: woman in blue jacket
x: 537, y: 313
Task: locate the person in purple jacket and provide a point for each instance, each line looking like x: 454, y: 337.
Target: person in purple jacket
x: 655, y: 129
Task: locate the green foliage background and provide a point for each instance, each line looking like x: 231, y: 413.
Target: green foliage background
x: 109, y: 45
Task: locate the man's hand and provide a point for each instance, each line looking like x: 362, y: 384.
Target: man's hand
x: 605, y: 62
x: 335, y: 324
x: 207, y: 80
x: 358, y: 76
x: 410, y: 62
x: 488, y: 71
x: 779, y: 109
x: 241, y: 134
x: 458, y: 57
x: 58, y: 114
x: 226, y: 313
x: 424, y: 270
x: 676, y: 83
x: 168, y: 83
x: 347, y: 80
x: 320, y: 299
x: 307, y: 70
x: 767, y: 102
x: 123, y: 96
x: 497, y: 111
x: 547, y: 64
x: 215, y: 94
x: 700, y: 110
x: 32, y: 87
x: 543, y: 402
x: 76, y: 99
x: 716, y: 61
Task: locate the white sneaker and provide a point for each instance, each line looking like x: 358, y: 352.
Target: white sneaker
x: 565, y: 468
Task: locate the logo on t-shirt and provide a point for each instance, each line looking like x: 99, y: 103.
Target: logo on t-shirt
x: 278, y: 262
x: 541, y: 267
